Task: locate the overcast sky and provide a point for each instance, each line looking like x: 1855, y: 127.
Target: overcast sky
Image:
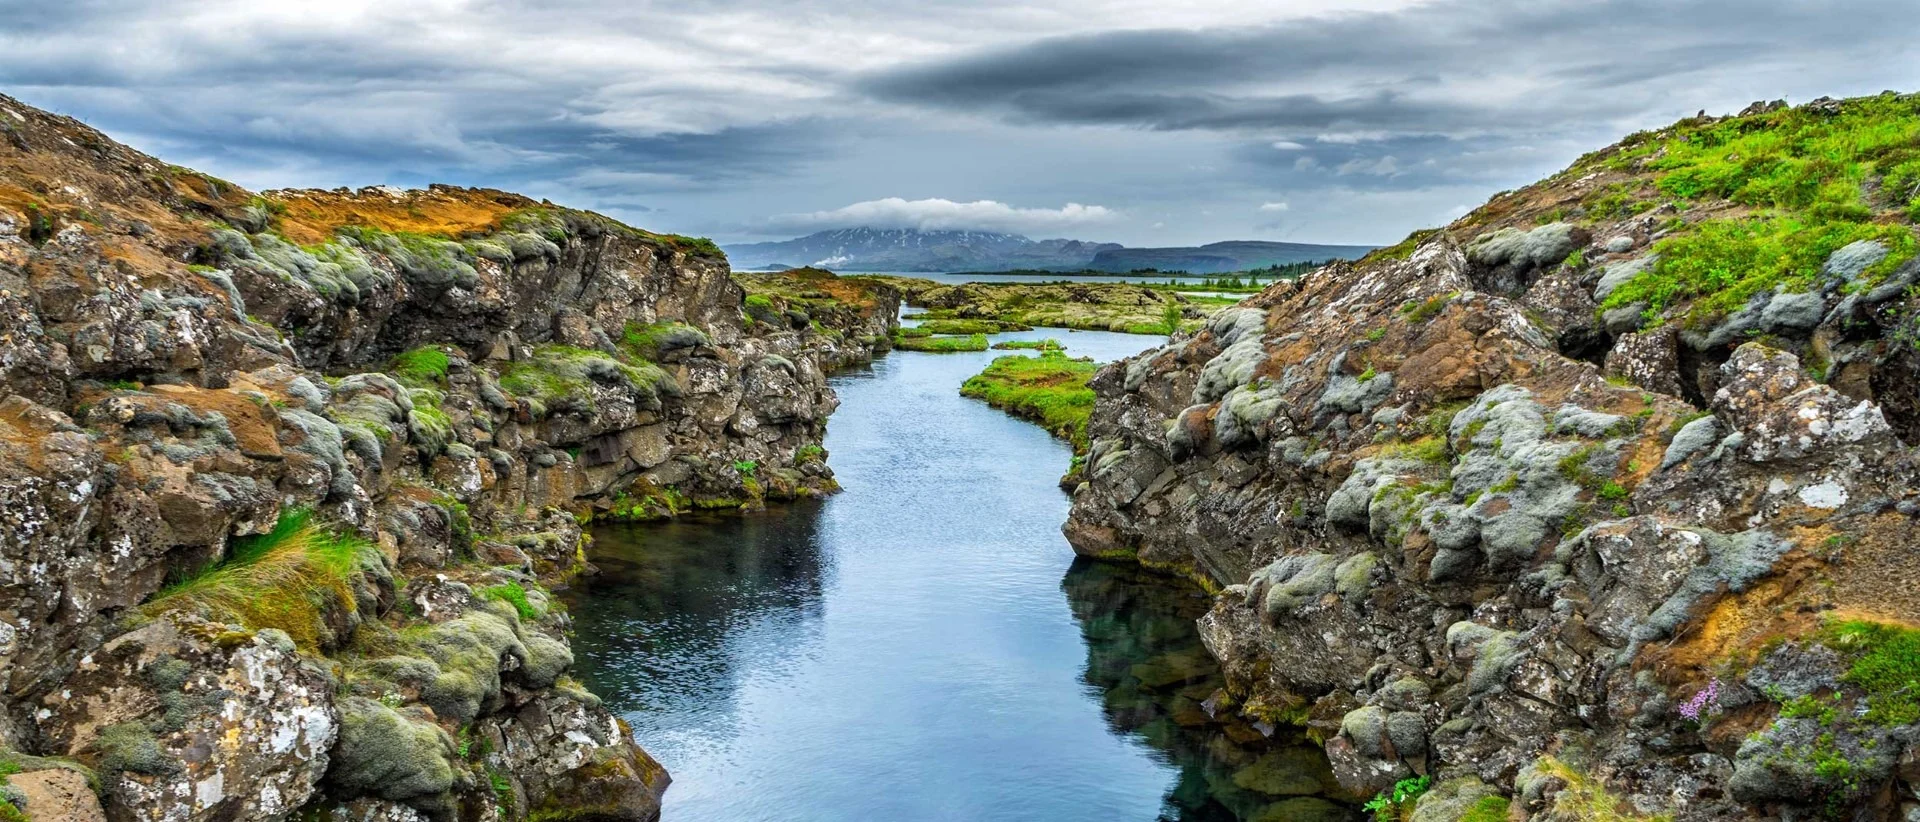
x: 1146, y: 122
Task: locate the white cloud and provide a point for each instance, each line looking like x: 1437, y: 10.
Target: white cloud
x: 1288, y: 145
x: 1274, y: 206
x: 936, y: 213
x: 1384, y: 167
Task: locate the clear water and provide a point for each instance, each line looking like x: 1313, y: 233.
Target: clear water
x: 922, y: 646
x: 951, y: 278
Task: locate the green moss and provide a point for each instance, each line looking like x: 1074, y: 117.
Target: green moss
x: 421, y: 366
x: 562, y: 377
x: 130, y: 746
x: 1488, y: 809
x: 512, y: 593
x: 1885, y: 663
x: 1050, y: 389
x: 1431, y: 449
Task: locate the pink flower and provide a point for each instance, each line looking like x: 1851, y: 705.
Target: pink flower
x: 1704, y: 704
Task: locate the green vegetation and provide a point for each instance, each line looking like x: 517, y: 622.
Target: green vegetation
x: 1720, y: 264
x: 1431, y: 449
x: 1488, y: 809
x: 1397, y: 802
x: 515, y: 594
x: 1403, y: 249
x: 1797, y: 183
x: 560, y: 376
x: 1050, y: 389
x: 421, y: 366
x: 647, y: 341
x: 1419, y: 313
x: 1885, y: 663
x: 1170, y: 316
x: 942, y: 345
x: 287, y: 579
x: 968, y: 326
x: 1048, y: 344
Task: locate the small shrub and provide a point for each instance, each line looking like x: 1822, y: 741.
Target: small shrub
x: 1389, y: 804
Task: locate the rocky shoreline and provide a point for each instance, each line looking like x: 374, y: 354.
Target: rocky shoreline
x: 1538, y: 517
x: 286, y: 475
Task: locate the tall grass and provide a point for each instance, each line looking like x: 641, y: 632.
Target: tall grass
x: 287, y: 578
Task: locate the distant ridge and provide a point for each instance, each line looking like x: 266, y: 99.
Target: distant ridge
x: 907, y: 249
x: 1219, y: 258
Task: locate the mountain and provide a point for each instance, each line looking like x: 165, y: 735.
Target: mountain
x: 1216, y: 258
x: 908, y: 249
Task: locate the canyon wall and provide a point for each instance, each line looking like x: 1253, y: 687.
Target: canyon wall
x: 1598, y: 503
x: 285, y: 475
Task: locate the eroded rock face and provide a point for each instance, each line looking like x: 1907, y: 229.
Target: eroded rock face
x: 461, y: 377
x: 1449, y: 542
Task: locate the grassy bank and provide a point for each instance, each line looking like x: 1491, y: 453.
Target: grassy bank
x: 1050, y: 389
x: 941, y: 345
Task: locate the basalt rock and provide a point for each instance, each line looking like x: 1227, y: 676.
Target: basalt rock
x: 458, y: 377
x: 1450, y: 542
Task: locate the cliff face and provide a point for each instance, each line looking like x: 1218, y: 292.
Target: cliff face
x: 1601, y: 499
x: 284, y: 475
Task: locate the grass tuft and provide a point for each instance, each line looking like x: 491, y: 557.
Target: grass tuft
x: 287, y: 579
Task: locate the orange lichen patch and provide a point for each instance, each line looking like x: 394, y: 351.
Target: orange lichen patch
x: 253, y: 426
x: 311, y: 216
x: 1738, y: 625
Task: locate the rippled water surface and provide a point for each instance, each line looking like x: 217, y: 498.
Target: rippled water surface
x: 921, y: 646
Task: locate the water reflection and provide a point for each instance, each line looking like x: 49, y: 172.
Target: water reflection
x: 902, y: 650
x: 1156, y: 681
x: 680, y: 607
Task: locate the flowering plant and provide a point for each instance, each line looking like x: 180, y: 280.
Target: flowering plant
x: 1704, y: 704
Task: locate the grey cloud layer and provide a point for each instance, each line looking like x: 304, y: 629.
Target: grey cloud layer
x: 715, y: 116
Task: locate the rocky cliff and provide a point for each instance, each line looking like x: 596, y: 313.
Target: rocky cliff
x: 285, y: 473
x: 1599, y: 503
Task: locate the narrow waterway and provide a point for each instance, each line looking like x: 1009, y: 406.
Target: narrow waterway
x: 922, y: 646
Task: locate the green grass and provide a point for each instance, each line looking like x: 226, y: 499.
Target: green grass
x: 286, y: 579
x: 962, y: 326
x: 515, y: 594
x: 1050, y: 389
x: 1431, y: 449
x: 1403, y: 249
x: 1048, y: 344
x: 1804, y: 178
x: 976, y: 342
x: 1885, y: 663
x: 1722, y: 263
x: 421, y: 366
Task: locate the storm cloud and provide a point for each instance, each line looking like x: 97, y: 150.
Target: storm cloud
x: 742, y: 119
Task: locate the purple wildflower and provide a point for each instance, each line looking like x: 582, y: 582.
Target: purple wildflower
x: 1704, y: 704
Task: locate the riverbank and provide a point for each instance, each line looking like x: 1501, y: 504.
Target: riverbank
x: 913, y: 642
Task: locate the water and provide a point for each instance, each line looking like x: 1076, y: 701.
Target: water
x: 956, y: 278
x: 909, y: 649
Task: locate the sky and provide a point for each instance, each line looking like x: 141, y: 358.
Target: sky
x: 1146, y: 123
